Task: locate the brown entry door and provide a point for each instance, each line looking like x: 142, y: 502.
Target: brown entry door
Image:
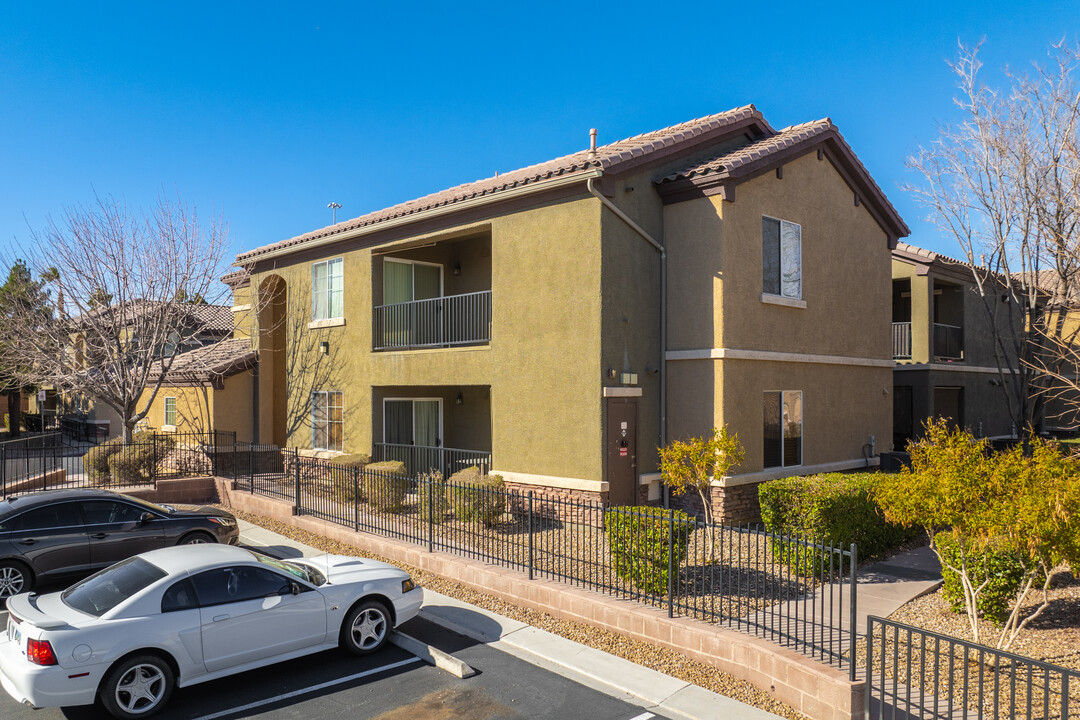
x: 622, y: 450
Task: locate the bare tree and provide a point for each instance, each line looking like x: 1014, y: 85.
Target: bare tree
x: 1004, y: 183
x: 125, y: 277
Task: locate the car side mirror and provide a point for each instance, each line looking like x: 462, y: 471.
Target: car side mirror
x: 146, y: 517
x: 295, y: 587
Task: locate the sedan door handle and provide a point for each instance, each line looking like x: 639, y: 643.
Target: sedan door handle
x: 100, y: 536
x: 219, y: 618
x: 29, y: 541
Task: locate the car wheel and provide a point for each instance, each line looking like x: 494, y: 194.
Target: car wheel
x: 366, y: 628
x: 15, y: 578
x: 137, y: 687
x: 196, y: 538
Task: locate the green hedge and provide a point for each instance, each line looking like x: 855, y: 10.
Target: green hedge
x: 114, y: 463
x: 385, y: 485
x: 476, y: 497
x: 434, y: 503
x: 835, y: 508
x: 641, y: 542
x: 341, y: 473
x: 1002, y: 569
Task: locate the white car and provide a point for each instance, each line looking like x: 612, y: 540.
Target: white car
x: 184, y: 615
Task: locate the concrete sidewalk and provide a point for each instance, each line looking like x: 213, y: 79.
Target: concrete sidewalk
x: 598, y: 670
x: 886, y: 585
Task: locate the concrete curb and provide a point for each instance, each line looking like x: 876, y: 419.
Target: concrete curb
x: 588, y: 666
x: 432, y: 655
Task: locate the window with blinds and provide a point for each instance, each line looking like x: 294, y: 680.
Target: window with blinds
x: 781, y: 258
x: 783, y: 428
x: 328, y: 289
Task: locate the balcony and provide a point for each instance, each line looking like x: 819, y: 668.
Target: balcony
x: 948, y: 342
x: 440, y: 322
x: 901, y: 340
x: 420, y: 459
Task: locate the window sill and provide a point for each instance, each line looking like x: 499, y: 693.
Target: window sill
x: 168, y: 428
x: 781, y: 300
x: 327, y: 323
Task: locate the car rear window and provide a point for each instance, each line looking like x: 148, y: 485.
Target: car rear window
x: 100, y: 593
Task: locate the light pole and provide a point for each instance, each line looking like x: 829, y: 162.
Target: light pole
x: 334, y: 207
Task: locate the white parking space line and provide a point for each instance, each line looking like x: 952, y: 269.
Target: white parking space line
x: 643, y: 716
x: 313, y: 688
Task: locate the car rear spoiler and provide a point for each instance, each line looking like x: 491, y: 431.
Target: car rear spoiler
x: 25, y: 608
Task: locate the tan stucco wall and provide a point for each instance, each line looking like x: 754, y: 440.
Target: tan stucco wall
x: 194, y: 405
x: 542, y: 365
x: 715, y: 306
x: 232, y: 406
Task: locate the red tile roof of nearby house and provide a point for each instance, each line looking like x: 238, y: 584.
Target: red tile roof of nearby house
x: 209, y: 362
x: 606, y: 157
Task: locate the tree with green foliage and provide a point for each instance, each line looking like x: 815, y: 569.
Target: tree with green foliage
x: 1025, y: 500
x: 693, y: 464
x: 20, y: 296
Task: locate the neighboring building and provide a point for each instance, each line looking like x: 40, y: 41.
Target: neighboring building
x: 944, y: 347
x: 206, y: 389
x: 203, y: 325
x: 516, y: 321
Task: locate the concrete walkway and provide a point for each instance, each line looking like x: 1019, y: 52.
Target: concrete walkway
x: 593, y: 668
x: 886, y: 585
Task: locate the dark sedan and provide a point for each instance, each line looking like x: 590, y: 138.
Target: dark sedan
x: 60, y: 535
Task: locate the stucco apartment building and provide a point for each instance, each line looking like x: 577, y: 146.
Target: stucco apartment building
x: 560, y: 322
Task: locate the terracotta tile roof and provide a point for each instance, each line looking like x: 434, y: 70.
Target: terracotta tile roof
x: 213, y: 319
x: 732, y: 160
x: 220, y: 359
x: 236, y: 278
x: 607, y: 157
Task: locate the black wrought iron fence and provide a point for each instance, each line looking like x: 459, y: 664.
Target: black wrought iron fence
x: 421, y: 459
x: 148, y: 458
x: 794, y: 591
x: 918, y: 674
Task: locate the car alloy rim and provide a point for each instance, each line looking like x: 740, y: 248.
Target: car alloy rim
x: 196, y: 540
x: 368, y: 629
x: 140, y: 689
x: 11, y: 582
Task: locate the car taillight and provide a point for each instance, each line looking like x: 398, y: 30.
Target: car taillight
x: 40, y: 652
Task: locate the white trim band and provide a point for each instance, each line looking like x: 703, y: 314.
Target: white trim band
x: 553, y: 481
x: 328, y: 323
x: 622, y: 392
x: 241, y: 308
x: 796, y: 471
x: 771, y: 356
x: 781, y: 300
x: 949, y: 367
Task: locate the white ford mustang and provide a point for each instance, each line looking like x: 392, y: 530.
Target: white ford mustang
x: 184, y: 615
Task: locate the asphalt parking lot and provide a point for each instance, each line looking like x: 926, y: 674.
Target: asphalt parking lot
x: 389, y: 685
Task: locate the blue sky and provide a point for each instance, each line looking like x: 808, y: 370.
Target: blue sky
x: 265, y: 112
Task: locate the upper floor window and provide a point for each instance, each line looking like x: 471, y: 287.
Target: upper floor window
x: 327, y: 289
x: 781, y: 258
x: 327, y: 420
x: 170, y: 411
x: 783, y: 428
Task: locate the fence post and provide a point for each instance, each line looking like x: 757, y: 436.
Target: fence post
x: 530, y: 534
x: 296, y: 478
x: 153, y: 459
x: 851, y: 624
x: 251, y: 469
x: 670, y: 564
x: 3, y: 468
x: 44, y: 475
x: 234, y: 464
x: 356, y: 498
x: 431, y: 509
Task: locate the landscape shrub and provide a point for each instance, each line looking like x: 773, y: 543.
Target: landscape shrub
x: 385, y: 485
x: 476, y: 497
x: 434, y: 502
x: 1001, y: 567
x: 341, y: 473
x: 138, y: 461
x: 640, y: 541
x: 834, y: 508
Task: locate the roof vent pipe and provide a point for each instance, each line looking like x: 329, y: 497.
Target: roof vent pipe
x: 592, y: 142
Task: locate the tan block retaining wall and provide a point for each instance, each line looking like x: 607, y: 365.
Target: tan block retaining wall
x: 51, y: 479
x: 814, y: 689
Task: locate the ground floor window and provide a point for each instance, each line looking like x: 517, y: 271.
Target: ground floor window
x: 412, y: 422
x: 327, y: 422
x: 170, y: 411
x: 783, y: 428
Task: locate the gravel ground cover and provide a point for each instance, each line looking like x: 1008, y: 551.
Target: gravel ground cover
x: 661, y: 659
x: 1053, y: 637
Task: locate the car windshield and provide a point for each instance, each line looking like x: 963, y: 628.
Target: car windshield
x: 100, y: 593
x: 163, y: 509
x: 303, y: 572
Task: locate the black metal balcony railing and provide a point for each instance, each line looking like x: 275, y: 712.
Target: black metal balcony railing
x: 948, y: 342
x: 901, y: 340
x: 437, y: 322
x: 420, y: 459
